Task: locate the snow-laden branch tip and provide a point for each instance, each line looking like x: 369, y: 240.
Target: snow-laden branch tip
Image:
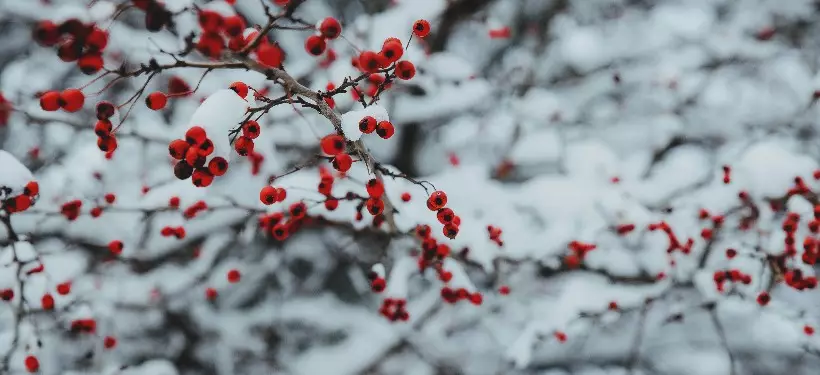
x: 13, y: 175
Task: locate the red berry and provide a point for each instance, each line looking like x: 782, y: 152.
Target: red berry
x: 234, y: 276
x: 90, y: 63
x: 333, y: 144
x: 177, y: 148
x: 156, y: 100
x: 210, y: 21
x: 421, y: 28
x: 375, y: 206
x: 342, y: 162
x: 504, y: 290
x: 251, y: 129
x: 234, y: 26
x: 375, y: 188
x: 367, y: 124
x: 330, y: 28
x: 270, y: 55
x: 392, y: 50
x: 240, y: 88
x: 315, y: 45
x: 109, y: 342
x: 50, y: 101
x: 115, y: 247
x: 64, y: 288
x: 72, y: 100
x: 195, y: 135
x: 47, y: 302
x: 405, y: 70
x: 437, y: 200
x: 385, y: 129
x: 268, y: 195
x: 218, y: 166
x: 202, y: 178
x: 405, y: 197
x: 46, y: 33
x: 32, y: 364
x: 370, y: 62
x: 97, y: 40
x: 107, y: 143
x: 211, y: 294
x: 331, y: 204
x: 243, y: 146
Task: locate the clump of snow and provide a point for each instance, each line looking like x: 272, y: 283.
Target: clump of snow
x: 350, y: 120
x: 13, y: 174
x: 220, y: 112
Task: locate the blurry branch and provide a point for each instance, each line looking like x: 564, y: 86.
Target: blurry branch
x: 456, y: 11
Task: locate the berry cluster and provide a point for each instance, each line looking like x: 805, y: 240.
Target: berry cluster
x: 327, y: 29
x: 75, y: 41
x: 192, y: 153
x: 578, y: 251
x: 70, y: 100
x: 217, y: 29
x: 23, y: 201
x: 369, y: 124
x: 156, y: 15
x: 437, y: 202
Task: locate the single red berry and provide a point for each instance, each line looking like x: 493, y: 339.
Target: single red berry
x: 370, y: 61
x: 105, y: 110
x: 46, y: 33
x: 234, y: 26
x: 437, y: 200
x: 109, y: 342
x: 330, y: 28
x: 342, y: 162
x: 195, y: 135
x: 450, y: 230
x: 50, y: 101
x: 107, y: 143
x: 240, y: 88
x: 202, y: 178
x: 405, y: 197
x: 385, y: 129
x: 32, y: 364
x: 47, y: 302
x: 64, y: 288
x: 110, y: 198
x: 72, y: 100
x: 177, y: 148
x: 32, y: 189
x: 218, y: 166
x: 405, y: 70
x: 367, y: 124
x: 97, y: 40
x: 156, y: 100
x: 211, y: 294
x: 504, y: 290
x: 251, y: 129
x: 210, y: 21
x: 270, y: 55
x: 476, y: 298
x: 333, y: 144
x: 392, y: 50
x: 234, y: 276
x: 315, y: 45
x: 268, y: 195
x: 809, y: 330
x: 90, y: 63
x: 243, y: 146
x: 115, y: 247
x: 331, y: 204
x: 445, y: 215
x: 375, y: 188
x: 297, y: 210
x: 421, y: 28
x: 375, y: 206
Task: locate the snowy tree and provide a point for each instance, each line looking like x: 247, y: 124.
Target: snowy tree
x: 409, y: 187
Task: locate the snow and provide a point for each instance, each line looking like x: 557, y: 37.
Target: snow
x: 551, y: 149
x: 13, y: 174
x: 350, y: 120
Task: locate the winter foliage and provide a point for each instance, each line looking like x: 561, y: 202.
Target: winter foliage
x: 507, y: 187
